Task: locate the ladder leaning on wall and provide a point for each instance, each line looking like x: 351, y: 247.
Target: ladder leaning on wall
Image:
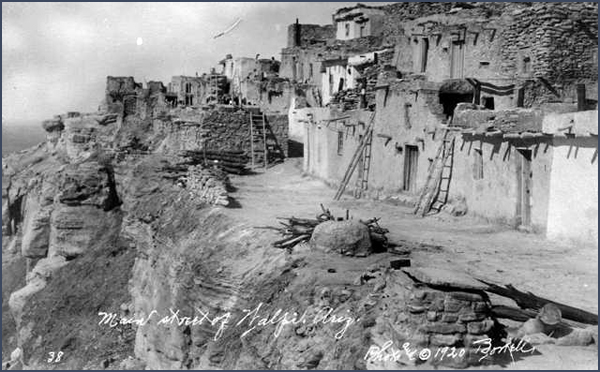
x: 366, y: 140
x: 258, y: 131
x: 362, y: 180
x: 435, y: 192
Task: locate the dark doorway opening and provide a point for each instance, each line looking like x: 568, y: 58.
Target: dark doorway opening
x: 411, y: 160
x: 524, y: 186
x: 450, y: 100
x: 488, y: 102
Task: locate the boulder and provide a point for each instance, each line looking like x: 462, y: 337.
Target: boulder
x: 350, y: 238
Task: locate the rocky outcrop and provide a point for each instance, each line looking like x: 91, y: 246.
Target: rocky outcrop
x: 36, y: 281
x: 63, y: 211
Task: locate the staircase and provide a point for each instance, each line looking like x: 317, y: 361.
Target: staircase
x: 435, y: 193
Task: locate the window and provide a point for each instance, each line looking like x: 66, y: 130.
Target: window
x: 477, y: 164
x: 310, y: 70
x: 362, y: 30
x: 340, y: 145
x: 526, y: 65
x: 347, y: 29
x: 188, y: 87
x: 407, y: 107
x: 487, y: 102
x: 330, y: 84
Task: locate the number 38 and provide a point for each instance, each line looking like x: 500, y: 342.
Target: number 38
x: 55, y: 357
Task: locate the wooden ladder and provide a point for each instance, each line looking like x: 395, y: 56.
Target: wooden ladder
x: 258, y: 130
x: 213, y: 87
x: 362, y: 181
x: 435, y: 190
x: 356, y: 158
x: 441, y: 198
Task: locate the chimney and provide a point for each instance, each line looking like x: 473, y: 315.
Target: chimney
x: 297, y: 34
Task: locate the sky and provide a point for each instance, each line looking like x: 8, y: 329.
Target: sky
x: 56, y: 56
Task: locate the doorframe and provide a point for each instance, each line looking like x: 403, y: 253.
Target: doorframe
x: 524, y: 175
x: 410, y: 172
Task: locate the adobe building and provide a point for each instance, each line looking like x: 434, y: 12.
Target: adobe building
x: 521, y: 126
x: 358, y: 21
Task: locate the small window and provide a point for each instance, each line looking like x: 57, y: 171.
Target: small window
x: 310, y: 70
x: 362, y: 30
x: 488, y: 102
x: 347, y: 29
x: 477, y: 164
x: 526, y: 65
x: 407, y: 107
x: 340, y: 145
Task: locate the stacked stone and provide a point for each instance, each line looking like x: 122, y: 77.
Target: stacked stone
x: 561, y: 49
x: 450, y: 318
x: 208, y: 185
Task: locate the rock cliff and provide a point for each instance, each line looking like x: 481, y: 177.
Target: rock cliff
x: 112, y: 240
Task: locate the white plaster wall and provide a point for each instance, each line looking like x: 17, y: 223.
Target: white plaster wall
x: 337, y: 72
x: 573, y: 211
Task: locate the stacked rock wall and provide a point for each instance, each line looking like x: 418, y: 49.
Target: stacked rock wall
x: 208, y: 185
x: 450, y: 318
x: 561, y: 40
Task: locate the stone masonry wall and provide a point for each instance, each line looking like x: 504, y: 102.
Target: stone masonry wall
x: 450, y: 319
x: 561, y: 39
x: 207, y: 185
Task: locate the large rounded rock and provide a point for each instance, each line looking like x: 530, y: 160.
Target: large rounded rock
x: 349, y: 238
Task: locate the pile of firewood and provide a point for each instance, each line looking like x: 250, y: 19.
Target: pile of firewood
x: 230, y: 161
x: 299, y: 230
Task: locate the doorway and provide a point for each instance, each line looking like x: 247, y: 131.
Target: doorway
x: 524, y: 183
x: 411, y: 158
x: 457, y: 60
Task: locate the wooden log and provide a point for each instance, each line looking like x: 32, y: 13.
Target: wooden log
x: 528, y: 300
x: 523, y: 315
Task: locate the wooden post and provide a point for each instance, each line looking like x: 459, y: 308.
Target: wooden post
x: 520, y: 96
x: 581, y: 100
x: 264, y: 131
x: 251, y: 141
x: 477, y: 94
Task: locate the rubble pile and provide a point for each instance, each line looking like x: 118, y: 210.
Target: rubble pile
x: 207, y: 185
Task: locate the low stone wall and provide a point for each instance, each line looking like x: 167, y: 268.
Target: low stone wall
x: 450, y: 319
x: 207, y: 185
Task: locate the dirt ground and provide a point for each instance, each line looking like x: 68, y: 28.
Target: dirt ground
x: 562, y: 271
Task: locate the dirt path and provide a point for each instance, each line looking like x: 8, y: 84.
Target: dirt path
x: 560, y: 271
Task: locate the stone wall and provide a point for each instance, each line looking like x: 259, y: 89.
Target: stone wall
x: 222, y: 129
x: 561, y: 39
x: 309, y: 34
x: 207, y: 185
x: 450, y: 318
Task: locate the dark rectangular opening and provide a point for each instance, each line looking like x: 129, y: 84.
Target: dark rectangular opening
x: 424, y: 53
x: 411, y: 159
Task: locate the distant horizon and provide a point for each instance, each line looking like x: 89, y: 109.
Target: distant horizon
x: 56, y: 56
x: 22, y: 122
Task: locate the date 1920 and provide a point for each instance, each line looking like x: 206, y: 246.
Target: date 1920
x: 55, y: 357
